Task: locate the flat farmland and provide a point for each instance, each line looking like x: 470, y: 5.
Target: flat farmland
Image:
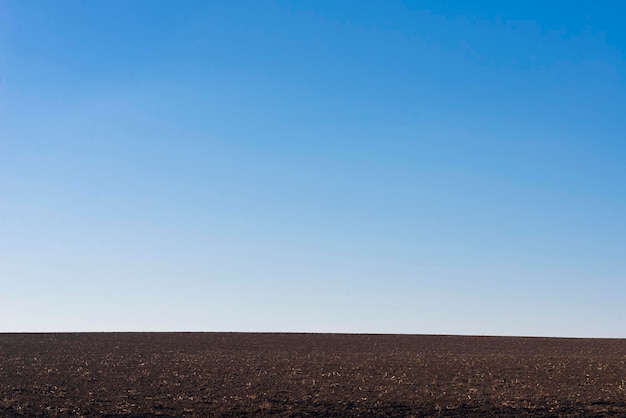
x: 299, y: 375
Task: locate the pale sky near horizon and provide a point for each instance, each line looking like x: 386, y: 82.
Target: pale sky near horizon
x: 313, y: 166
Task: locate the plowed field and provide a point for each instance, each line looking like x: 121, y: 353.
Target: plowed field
x: 234, y: 374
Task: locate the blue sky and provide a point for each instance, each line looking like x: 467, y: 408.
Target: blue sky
x: 397, y: 167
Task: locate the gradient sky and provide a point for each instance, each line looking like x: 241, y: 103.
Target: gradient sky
x: 384, y: 166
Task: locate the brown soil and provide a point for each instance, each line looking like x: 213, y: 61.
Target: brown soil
x: 232, y: 374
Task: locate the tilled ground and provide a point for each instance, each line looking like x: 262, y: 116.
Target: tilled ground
x: 233, y: 374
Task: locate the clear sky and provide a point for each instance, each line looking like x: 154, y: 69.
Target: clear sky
x: 384, y: 166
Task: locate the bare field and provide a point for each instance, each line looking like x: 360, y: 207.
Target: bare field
x: 299, y: 375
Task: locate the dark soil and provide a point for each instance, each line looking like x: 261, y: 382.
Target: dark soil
x: 306, y: 375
